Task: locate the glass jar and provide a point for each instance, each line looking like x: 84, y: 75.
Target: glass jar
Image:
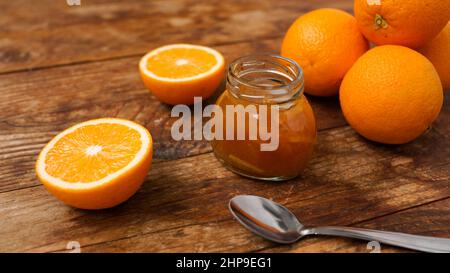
x: 277, y: 83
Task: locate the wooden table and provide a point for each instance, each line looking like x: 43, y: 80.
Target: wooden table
x: 60, y: 65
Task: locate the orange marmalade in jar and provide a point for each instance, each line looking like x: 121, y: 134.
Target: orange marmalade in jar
x: 276, y: 83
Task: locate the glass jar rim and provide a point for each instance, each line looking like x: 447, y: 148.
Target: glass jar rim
x: 292, y: 71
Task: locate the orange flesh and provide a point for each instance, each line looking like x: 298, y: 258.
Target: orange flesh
x: 181, y: 63
x: 297, y: 136
x: 92, y: 152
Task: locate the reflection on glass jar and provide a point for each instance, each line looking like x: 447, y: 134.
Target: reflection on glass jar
x: 270, y: 81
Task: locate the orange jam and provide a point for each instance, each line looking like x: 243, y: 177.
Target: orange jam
x: 270, y: 81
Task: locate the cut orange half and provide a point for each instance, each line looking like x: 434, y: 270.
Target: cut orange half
x: 96, y: 164
x: 177, y: 73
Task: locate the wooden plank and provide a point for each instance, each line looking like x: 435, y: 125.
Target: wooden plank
x: 53, y: 33
x: 430, y: 220
x: 29, y: 119
x: 349, y: 181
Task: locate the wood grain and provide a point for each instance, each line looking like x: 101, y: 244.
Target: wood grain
x: 430, y: 220
x: 349, y: 180
x: 56, y: 34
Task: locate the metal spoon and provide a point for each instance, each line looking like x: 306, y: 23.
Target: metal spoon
x: 276, y: 223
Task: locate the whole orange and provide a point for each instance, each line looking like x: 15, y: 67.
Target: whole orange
x: 438, y: 52
x: 326, y: 43
x: 410, y: 23
x: 391, y: 94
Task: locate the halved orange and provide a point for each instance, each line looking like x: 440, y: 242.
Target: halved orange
x: 177, y: 73
x: 96, y: 164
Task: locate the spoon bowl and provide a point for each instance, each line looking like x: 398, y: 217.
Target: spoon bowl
x: 265, y: 218
x: 278, y: 224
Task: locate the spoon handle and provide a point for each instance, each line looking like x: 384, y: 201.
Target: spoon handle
x: 416, y: 242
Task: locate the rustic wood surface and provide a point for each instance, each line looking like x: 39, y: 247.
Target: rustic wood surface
x: 60, y: 65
